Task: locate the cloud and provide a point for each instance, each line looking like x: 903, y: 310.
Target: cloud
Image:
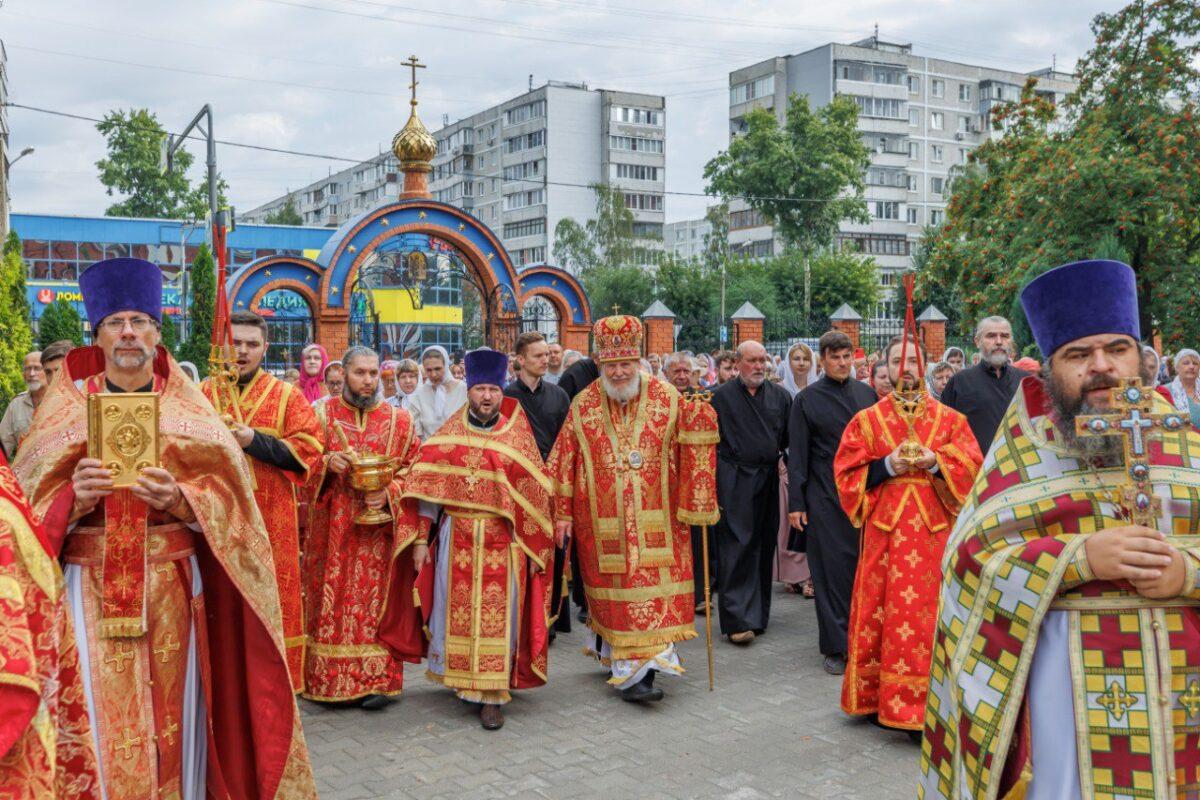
x: 331, y: 81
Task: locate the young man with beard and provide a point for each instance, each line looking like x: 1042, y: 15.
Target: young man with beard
x: 634, y: 467
x: 481, y: 479
x: 906, y: 506
x: 752, y: 416
x: 1068, y: 646
x: 982, y: 393
x: 281, y: 437
x: 819, y: 416
x: 348, y: 565
x: 19, y: 414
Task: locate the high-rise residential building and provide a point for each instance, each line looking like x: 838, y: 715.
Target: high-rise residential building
x: 920, y: 116
x: 687, y: 238
x: 522, y: 166
x: 4, y: 198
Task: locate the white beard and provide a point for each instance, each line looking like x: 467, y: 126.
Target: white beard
x: 622, y: 394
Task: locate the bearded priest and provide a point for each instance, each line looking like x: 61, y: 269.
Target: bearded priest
x: 169, y: 583
x: 348, y: 564
x: 480, y: 479
x: 903, y: 469
x: 281, y: 437
x: 634, y: 466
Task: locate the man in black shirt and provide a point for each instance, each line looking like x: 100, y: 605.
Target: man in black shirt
x: 546, y: 407
x: 752, y: 414
x: 982, y: 393
x: 819, y: 416
x: 578, y: 377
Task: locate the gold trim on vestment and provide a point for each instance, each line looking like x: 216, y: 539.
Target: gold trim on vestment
x: 348, y: 650
x: 536, y: 471
x: 638, y: 593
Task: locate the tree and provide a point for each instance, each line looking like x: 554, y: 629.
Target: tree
x: 170, y: 335
x: 716, y: 241
x: 132, y: 169
x: 1119, y: 176
x: 16, y: 338
x: 605, y: 240
x: 806, y: 177
x: 627, y: 288
x: 60, y: 320
x: 204, y: 295
x: 286, y: 214
x: 834, y: 278
x: 946, y: 297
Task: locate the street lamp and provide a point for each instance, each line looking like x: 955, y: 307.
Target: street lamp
x: 24, y: 153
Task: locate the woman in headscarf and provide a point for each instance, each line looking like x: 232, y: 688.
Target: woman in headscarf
x: 1151, y: 362
x: 796, y: 371
x: 955, y: 357
x: 1185, y: 392
x: 313, y: 360
x: 708, y: 370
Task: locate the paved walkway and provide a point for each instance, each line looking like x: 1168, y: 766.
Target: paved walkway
x: 772, y: 729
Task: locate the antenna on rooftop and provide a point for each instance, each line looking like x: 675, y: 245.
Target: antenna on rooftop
x: 531, y: 81
x: 877, y: 31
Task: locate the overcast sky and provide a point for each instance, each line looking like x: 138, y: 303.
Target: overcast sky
x: 325, y: 76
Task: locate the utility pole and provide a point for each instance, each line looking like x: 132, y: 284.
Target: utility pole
x: 173, y: 143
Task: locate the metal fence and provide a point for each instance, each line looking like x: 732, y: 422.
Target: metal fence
x: 781, y: 331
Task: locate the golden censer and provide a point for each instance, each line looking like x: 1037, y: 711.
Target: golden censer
x: 371, y: 473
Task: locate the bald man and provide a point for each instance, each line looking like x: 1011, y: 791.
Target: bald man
x: 752, y: 414
x: 19, y: 414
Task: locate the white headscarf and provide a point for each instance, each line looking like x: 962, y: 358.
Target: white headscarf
x: 786, y: 379
x: 437, y: 349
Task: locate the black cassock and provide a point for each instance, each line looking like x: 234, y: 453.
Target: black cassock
x: 820, y: 414
x: 753, y: 438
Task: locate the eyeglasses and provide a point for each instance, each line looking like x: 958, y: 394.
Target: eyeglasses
x: 139, y: 324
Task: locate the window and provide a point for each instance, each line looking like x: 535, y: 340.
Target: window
x: 914, y: 151
x: 886, y: 176
x: 877, y: 245
x: 912, y: 215
x: 533, y: 197
x: 937, y: 87
x: 914, y: 84
x: 527, y: 142
x: 759, y: 87
x: 746, y: 219
x: 912, y: 183
x: 644, y: 202
x: 936, y: 216
x: 914, y: 117
x: 868, y: 73
x: 965, y: 124
x: 963, y: 155
x: 937, y: 185
x: 637, y: 116
x: 523, y: 171
x: 529, y: 255
x: 937, y: 120
x: 648, y: 230
x: 886, y: 209
x: 635, y: 144
x: 880, y: 107
x: 523, y: 112
x: 936, y: 151
x: 530, y: 227
x: 964, y: 92
x: 635, y: 172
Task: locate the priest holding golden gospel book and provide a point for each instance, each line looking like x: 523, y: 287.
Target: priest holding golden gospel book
x: 147, y: 500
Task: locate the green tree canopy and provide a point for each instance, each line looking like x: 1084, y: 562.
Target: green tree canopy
x: 60, y: 320
x: 131, y: 169
x: 806, y: 176
x: 16, y: 338
x: 200, y: 323
x: 286, y: 214
x: 1119, y: 176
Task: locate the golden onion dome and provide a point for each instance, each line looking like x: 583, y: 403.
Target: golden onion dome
x: 414, y: 145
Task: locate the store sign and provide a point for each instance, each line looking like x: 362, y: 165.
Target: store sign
x: 283, y: 304
x: 42, y: 293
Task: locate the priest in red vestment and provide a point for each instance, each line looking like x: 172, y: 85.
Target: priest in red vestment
x: 347, y: 565
x: 634, y: 466
x: 281, y: 437
x: 905, y: 501
x: 169, y: 583
x: 480, y: 478
x: 46, y: 746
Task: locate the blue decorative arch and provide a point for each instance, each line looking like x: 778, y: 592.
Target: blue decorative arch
x: 560, y: 285
x: 273, y: 272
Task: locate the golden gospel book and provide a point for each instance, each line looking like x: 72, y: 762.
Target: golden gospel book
x: 123, y: 433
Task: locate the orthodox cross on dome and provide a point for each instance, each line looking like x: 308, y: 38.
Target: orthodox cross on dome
x: 413, y: 65
x: 1133, y: 419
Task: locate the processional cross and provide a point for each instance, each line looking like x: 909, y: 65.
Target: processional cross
x: 1134, y: 420
x: 413, y: 65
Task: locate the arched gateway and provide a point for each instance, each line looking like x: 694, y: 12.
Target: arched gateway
x: 407, y: 251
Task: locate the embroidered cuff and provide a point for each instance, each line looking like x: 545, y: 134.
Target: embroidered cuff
x: 1190, y: 576
x: 1078, y: 571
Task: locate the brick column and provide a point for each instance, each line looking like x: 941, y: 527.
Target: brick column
x: 848, y: 321
x: 933, y: 333
x: 333, y: 332
x: 659, y: 322
x: 575, y: 337
x: 748, y: 324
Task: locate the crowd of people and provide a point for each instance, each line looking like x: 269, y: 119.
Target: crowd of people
x: 978, y: 578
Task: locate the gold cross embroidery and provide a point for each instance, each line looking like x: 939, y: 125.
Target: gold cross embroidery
x: 1117, y: 700
x: 128, y: 744
x: 119, y: 658
x: 169, y: 730
x: 1190, y: 700
x: 169, y: 646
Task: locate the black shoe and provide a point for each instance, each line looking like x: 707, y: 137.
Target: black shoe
x: 376, y: 702
x: 916, y: 736
x: 835, y: 664
x: 581, y: 615
x: 643, y: 691
x: 491, y: 717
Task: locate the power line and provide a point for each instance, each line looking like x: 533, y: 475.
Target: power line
x: 567, y: 184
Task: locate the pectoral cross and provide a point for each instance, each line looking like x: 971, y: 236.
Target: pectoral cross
x: 1134, y: 420
x: 166, y: 648
x: 119, y: 658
